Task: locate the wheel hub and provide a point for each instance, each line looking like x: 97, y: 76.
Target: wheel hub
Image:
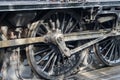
x: 53, y: 36
x: 57, y: 38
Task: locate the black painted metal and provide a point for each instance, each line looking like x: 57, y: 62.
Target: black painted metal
x: 13, y: 5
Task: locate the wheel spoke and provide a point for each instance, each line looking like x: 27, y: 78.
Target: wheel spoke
x: 52, y: 24
x: 41, y: 31
x: 58, y: 65
x: 112, y: 51
x: 45, y: 56
x: 63, y: 23
x: 53, y: 64
x: 68, y: 25
x: 57, y: 21
x: 116, y: 53
x: 106, y: 46
x: 46, y: 26
x: 72, y: 27
x: 41, y: 51
x: 70, y: 45
x: 102, y: 26
x: 48, y: 62
x: 108, y: 50
x: 105, y: 41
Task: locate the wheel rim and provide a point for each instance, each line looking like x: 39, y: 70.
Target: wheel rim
x: 109, y: 50
x: 45, y: 58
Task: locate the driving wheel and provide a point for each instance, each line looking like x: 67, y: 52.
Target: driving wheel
x: 51, y: 59
x: 108, y: 50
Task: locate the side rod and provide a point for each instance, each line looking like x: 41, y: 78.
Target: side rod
x: 91, y: 43
x: 25, y: 41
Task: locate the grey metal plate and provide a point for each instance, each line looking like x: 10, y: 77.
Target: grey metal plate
x: 20, y: 5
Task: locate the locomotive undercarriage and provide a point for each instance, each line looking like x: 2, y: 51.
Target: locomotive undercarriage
x: 52, y: 44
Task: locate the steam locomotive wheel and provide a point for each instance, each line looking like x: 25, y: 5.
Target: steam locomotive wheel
x: 108, y: 50
x: 46, y: 59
